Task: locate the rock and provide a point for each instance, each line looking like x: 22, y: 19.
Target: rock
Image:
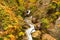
x: 36, y: 34
x: 47, y: 37
x: 34, y: 20
x: 37, y: 26
x: 24, y: 38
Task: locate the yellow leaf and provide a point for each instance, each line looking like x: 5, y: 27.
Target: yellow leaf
x: 21, y: 2
x: 5, y: 38
x: 12, y: 37
x: 57, y: 13
x: 58, y: 25
x: 21, y: 34
x: 32, y: 1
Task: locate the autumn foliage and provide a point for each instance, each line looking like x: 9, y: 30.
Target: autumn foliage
x: 12, y: 16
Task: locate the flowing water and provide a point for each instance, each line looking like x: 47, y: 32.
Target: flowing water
x: 31, y: 29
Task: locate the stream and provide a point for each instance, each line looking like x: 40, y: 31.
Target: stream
x: 31, y: 29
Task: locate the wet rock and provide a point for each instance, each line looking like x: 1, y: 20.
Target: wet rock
x: 36, y: 34
x: 34, y: 20
x: 38, y: 26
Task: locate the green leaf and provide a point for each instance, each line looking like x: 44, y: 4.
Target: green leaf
x: 1, y: 38
x: 21, y: 8
x: 45, y: 20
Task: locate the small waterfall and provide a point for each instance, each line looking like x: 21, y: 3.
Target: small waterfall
x: 31, y: 29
